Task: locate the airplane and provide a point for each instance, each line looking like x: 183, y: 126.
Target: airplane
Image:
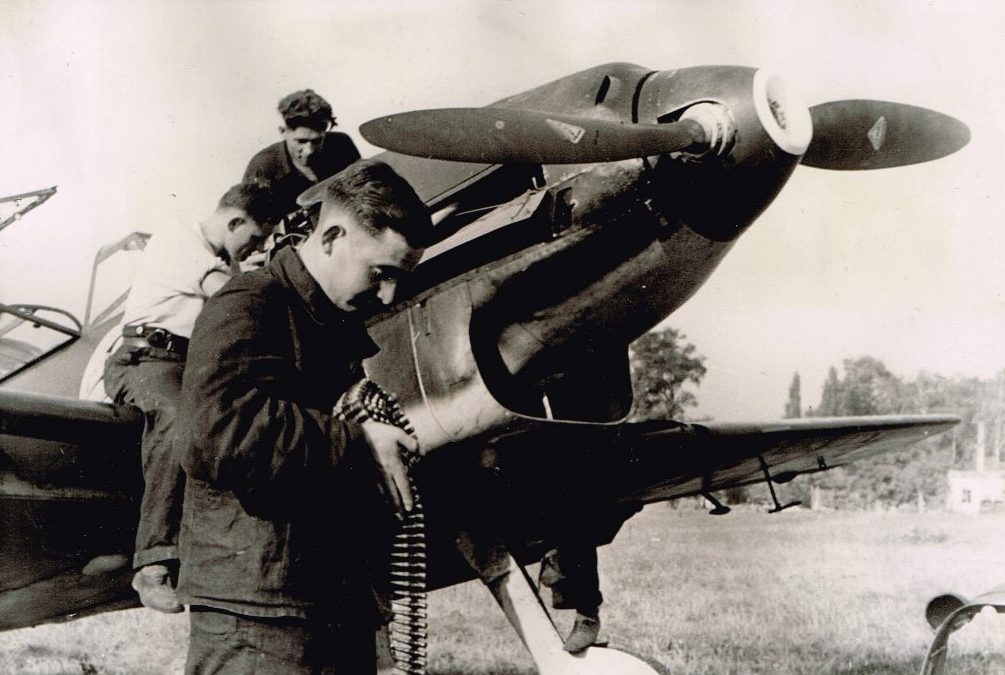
x: 571, y: 219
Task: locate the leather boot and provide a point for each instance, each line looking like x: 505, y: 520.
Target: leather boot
x: 584, y: 632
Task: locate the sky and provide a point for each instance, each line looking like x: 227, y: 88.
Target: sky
x: 143, y: 113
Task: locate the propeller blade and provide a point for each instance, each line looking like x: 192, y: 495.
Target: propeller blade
x: 495, y: 135
x: 860, y: 134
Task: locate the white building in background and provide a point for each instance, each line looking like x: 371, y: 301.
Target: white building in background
x: 968, y: 490
x: 984, y: 485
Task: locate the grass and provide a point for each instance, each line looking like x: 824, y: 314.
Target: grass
x: 793, y: 593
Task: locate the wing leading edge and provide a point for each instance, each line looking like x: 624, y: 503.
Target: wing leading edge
x: 649, y: 462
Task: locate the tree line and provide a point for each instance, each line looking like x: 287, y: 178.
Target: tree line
x: 667, y: 371
x: 914, y: 475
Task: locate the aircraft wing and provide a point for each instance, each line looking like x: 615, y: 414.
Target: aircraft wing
x: 657, y: 461
x: 69, y: 487
x: 70, y: 483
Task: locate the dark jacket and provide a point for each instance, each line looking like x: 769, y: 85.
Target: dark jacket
x: 279, y: 492
x: 274, y: 165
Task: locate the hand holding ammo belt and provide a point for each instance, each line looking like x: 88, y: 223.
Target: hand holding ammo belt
x: 143, y: 340
x: 364, y: 401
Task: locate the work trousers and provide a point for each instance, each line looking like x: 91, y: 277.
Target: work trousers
x: 571, y: 572
x: 224, y: 643
x: 150, y: 379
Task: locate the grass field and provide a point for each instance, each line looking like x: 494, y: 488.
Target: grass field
x: 795, y: 592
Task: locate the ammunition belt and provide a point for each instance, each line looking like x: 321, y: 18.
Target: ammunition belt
x: 409, y: 627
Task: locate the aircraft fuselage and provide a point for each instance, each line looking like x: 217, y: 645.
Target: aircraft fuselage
x: 603, y: 253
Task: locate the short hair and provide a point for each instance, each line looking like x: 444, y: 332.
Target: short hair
x: 256, y: 199
x: 379, y: 198
x: 305, y: 108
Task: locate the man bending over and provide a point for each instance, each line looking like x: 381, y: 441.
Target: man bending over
x: 178, y: 270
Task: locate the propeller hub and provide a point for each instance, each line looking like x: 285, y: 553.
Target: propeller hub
x: 782, y: 114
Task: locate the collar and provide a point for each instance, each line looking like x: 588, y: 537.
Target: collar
x: 201, y: 236
x: 290, y: 168
x: 291, y: 269
x: 284, y: 152
x: 288, y: 266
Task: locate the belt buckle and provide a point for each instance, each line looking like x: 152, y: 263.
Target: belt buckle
x: 158, y: 338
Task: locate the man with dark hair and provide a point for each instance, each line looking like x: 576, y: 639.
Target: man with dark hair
x: 178, y: 270
x: 308, y: 153
x: 281, y: 492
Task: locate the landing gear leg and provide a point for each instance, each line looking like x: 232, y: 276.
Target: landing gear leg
x: 519, y: 599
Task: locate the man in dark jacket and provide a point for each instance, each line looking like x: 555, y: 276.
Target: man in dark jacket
x: 309, y: 152
x: 281, y: 494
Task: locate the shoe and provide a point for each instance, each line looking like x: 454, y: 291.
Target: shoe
x: 153, y: 583
x: 584, y: 633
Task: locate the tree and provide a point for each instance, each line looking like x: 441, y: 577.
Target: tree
x: 830, y: 395
x: 662, y: 362
x: 794, y: 406
x: 974, y: 400
x: 902, y: 476
x: 869, y: 388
